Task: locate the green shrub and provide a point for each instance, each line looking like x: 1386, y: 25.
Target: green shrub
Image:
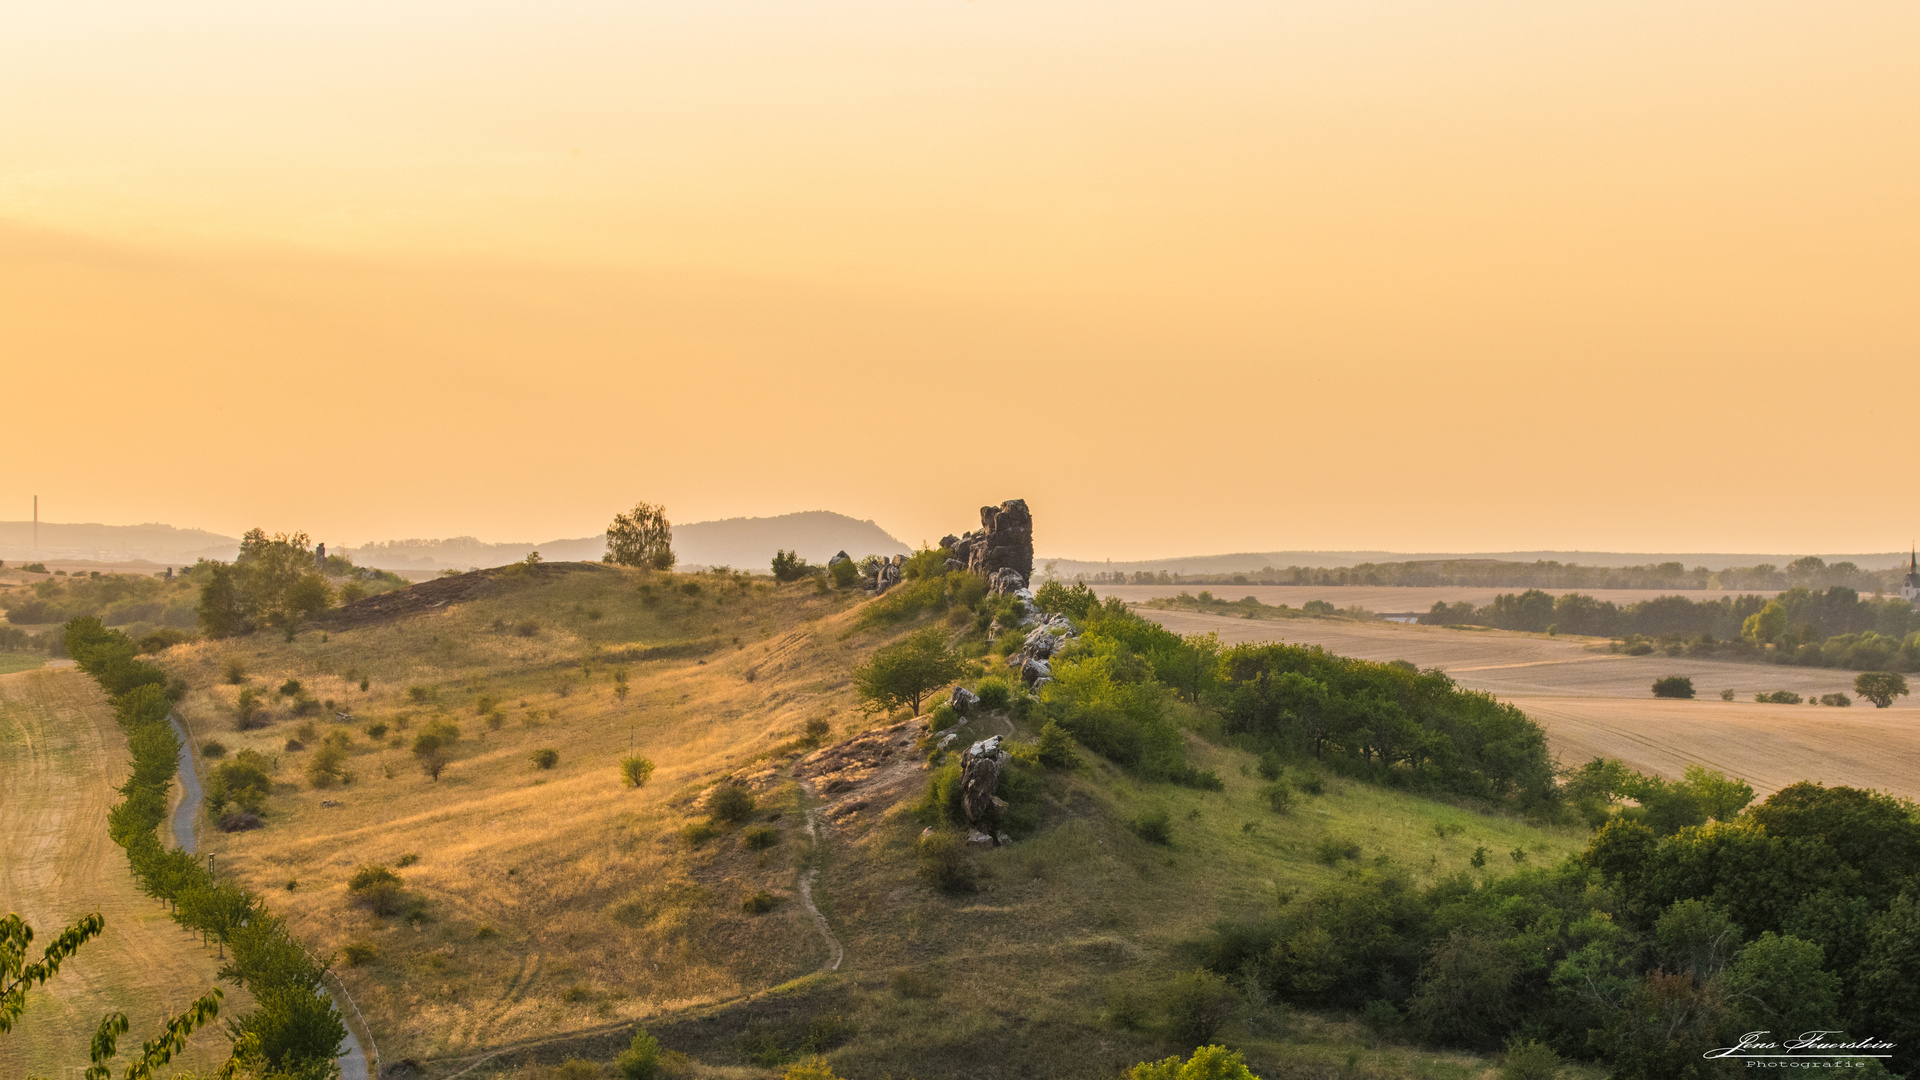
x: 760, y: 837
x: 376, y: 730
x: 1154, y: 826
x: 376, y: 888
x: 236, y: 672
x: 845, y: 574
x: 995, y: 693
x: 1331, y: 849
x: 1270, y: 766
x: 290, y: 688
x: 919, y: 985
x: 818, y: 729
x: 945, y: 863
x: 1311, y: 782
x: 1777, y: 697
x: 1207, y: 1063
x: 942, y: 716
x: 636, y: 771
x: 1279, y: 796
x: 213, y: 748
x: 759, y: 903
x: 1673, y: 686
x: 731, y: 803
x: 698, y: 833
x: 575, y: 1068
x: 411, y: 858
x: 1127, y: 1007
x: 1198, y: 1004
x: 1841, y: 701
x: 641, y: 1059
x: 1055, y: 748
x: 1529, y: 1060
x: 358, y: 953
x: 544, y: 758
x: 1479, y: 858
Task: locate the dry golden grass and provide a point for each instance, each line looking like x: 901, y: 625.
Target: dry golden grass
x: 61, y: 756
x: 555, y: 900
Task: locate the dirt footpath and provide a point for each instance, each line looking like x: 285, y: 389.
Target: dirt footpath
x: 61, y: 756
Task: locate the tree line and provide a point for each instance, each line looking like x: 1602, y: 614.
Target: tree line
x: 295, y: 1032
x: 1810, y: 572
x: 1831, y: 627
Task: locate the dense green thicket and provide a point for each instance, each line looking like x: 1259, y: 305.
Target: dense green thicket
x: 295, y: 1030
x: 1645, y: 951
x: 1120, y: 688
x: 1832, y: 627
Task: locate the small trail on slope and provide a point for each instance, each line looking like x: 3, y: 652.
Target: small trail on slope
x: 835, y: 951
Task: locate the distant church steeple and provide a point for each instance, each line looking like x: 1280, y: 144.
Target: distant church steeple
x: 1910, y: 592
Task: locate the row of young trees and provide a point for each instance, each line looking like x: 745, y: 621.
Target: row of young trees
x: 294, y: 1033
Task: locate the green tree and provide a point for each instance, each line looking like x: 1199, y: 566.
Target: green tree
x: 1880, y: 687
x: 1767, y: 625
x: 789, y: 566
x: 905, y: 672
x: 643, y: 538
x: 1780, y: 984
x: 222, y: 610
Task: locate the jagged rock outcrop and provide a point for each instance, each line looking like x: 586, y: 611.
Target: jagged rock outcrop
x: 1004, y: 541
x: 1005, y: 580
x: 881, y: 574
x: 964, y: 700
x: 980, y: 771
x: 838, y: 559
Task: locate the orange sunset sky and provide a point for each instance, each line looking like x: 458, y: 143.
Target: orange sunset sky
x: 1189, y: 278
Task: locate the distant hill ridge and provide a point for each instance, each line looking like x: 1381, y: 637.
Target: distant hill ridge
x: 1250, y: 562
x: 742, y: 542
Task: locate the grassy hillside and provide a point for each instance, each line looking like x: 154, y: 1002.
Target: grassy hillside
x: 545, y: 911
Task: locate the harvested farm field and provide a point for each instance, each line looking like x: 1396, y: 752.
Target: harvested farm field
x: 1596, y: 703
x: 61, y: 757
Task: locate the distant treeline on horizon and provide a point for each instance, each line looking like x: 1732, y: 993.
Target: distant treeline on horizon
x: 1810, y: 572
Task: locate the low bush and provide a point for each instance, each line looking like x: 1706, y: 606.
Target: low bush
x: 236, y: 673
x: 1529, y: 1060
x: 1155, y: 826
x: 636, y: 771
x: 818, y: 729
x: 698, y: 833
x: 942, y: 716
x: 1207, y: 1063
x: 377, y: 889
x: 1270, y: 765
x: 1198, y: 1004
x: 329, y: 766
x: 290, y: 688
x: 1331, y: 849
x: 1673, y: 686
x: 731, y: 803
x: 995, y: 693
x: 1279, y: 796
x: 759, y: 903
x: 919, y: 985
x: 1837, y: 700
x: 213, y: 748
x: 1777, y: 697
x: 641, y: 1059
x: 945, y: 863
x: 760, y: 837
x: 544, y: 758
x: 359, y: 953
x: 1055, y: 747
x: 376, y: 730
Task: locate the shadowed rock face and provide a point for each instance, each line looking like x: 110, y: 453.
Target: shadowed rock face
x: 1004, y: 541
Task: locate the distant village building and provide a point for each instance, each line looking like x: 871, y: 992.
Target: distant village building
x: 1910, y: 592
